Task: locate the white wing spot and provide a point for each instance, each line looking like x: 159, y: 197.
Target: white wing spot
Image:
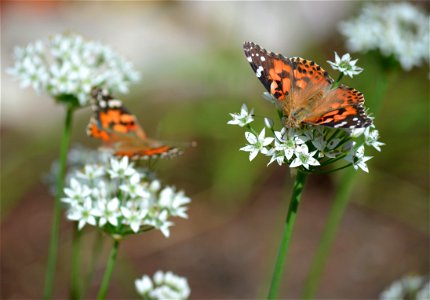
x: 114, y: 103
x: 258, y: 71
x: 249, y: 58
x: 263, y: 58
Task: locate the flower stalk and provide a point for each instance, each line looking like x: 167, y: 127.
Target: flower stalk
x: 328, y: 235
x: 55, y: 229
x: 75, y: 283
x: 108, y: 272
x: 287, y: 234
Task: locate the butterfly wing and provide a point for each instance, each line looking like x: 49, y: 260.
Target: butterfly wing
x: 120, y: 130
x: 341, y: 107
x: 274, y: 70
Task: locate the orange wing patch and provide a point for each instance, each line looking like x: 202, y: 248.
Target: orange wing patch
x: 120, y: 130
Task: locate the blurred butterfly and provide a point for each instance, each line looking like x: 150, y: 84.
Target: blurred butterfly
x: 120, y: 130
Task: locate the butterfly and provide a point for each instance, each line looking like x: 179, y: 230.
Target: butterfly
x: 304, y: 91
x: 120, y: 130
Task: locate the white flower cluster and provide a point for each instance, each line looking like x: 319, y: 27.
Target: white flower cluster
x: 311, y: 146
x: 345, y: 65
x: 69, y: 66
x: 398, y: 29
x: 77, y: 157
x: 163, y: 286
x: 122, y: 200
x: 408, y: 287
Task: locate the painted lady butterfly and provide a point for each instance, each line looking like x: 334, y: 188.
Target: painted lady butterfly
x: 120, y: 130
x: 304, y: 91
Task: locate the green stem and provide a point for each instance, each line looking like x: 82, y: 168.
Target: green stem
x: 75, y: 288
x: 339, y: 204
x: 108, y: 272
x: 55, y: 229
x: 287, y: 233
x: 334, y: 218
x: 97, y: 247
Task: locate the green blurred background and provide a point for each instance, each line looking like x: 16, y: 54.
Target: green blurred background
x: 194, y: 74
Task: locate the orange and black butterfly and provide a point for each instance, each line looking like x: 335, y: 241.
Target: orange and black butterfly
x: 304, y: 91
x: 120, y: 130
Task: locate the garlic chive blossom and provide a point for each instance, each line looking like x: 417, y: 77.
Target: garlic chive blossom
x: 122, y: 200
x: 345, y: 65
x: 396, y: 29
x: 243, y: 118
x: 164, y: 285
x: 68, y: 65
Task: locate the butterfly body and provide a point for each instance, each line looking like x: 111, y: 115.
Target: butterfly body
x: 304, y: 91
x: 120, y: 130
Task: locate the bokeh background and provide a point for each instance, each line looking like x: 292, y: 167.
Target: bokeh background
x: 193, y: 75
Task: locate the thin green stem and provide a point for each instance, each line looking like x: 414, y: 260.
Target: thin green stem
x: 287, y: 233
x: 328, y: 235
x: 75, y: 282
x: 56, y: 218
x: 97, y: 247
x: 339, y: 204
x: 108, y: 272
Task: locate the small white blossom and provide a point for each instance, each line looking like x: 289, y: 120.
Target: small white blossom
x: 408, y: 287
x: 394, y: 29
x: 345, y: 65
x: 121, y: 168
x: 68, y: 65
x: 163, y: 286
x: 109, y: 211
x: 371, y: 138
x: 243, y: 118
x: 357, y: 158
x: 84, y: 213
x: 257, y: 144
x: 304, y: 158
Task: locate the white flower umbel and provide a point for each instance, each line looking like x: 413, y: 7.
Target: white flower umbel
x: 408, y: 287
x: 312, y: 147
x: 243, y: 118
x: 67, y: 67
x: 121, y: 199
x: 394, y: 29
x: 257, y: 144
x: 345, y: 65
x: 163, y: 286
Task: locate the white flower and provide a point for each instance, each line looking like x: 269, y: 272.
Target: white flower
x: 162, y: 223
x: 76, y: 193
x: 406, y: 287
x: 371, y: 138
x: 133, y: 217
x: 134, y: 188
x: 243, y: 118
x: 109, y: 211
x: 325, y: 147
x: 397, y: 29
x: 357, y: 158
x: 257, y: 144
x: 143, y: 285
x: 121, y: 168
x: 165, y: 285
x: 345, y: 65
x: 84, y: 214
x: 67, y: 65
x: 304, y: 158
